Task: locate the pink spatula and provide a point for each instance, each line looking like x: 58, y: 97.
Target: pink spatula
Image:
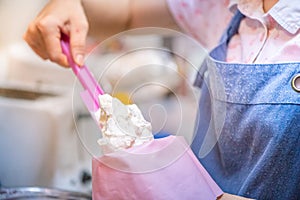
x: 91, y: 87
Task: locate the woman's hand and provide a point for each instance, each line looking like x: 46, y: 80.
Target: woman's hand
x: 101, y: 18
x: 44, y: 33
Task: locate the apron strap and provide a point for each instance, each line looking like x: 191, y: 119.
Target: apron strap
x: 229, y: 32
x: 232, y: 28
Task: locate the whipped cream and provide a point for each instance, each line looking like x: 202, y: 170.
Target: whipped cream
x: 122, y: 126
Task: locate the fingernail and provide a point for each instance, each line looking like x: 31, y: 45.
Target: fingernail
x: 79, y: 59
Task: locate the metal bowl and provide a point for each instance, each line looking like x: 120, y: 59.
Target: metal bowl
x: 38, y: 193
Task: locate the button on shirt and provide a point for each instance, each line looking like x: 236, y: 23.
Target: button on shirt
x: 271, y: 37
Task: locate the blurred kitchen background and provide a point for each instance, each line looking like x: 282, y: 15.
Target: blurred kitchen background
x: 47, y: 138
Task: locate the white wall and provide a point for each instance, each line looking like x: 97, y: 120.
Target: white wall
x: 15, y: 15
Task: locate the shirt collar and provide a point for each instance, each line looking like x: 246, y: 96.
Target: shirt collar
x: 285, y: 12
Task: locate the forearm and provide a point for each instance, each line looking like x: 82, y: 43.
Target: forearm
x: 106, y: 17
x: 151, y: 13
x: 110, y: 17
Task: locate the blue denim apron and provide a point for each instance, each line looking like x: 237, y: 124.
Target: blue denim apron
x: 248, y: 126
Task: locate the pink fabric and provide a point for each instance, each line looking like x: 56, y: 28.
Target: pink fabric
x: 165, y: 168
x: 270, y: 37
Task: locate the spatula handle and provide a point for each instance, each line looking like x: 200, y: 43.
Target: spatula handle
x: 84, y: 75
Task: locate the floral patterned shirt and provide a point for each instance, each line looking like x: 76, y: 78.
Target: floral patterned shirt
x: 270, y: 37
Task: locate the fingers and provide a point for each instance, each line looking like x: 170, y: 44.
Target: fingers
x: 44, y: 33
x: 78, y: 34
x: 49, y: 29
x: 43, y: 36
x: 34, y: 40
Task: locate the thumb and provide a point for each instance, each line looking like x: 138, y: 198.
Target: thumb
x: 78, y: 34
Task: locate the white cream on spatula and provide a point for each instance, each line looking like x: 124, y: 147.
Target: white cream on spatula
x: 122, y: 126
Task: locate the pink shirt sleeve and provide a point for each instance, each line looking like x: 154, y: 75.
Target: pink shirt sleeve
x: 204, y: 20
